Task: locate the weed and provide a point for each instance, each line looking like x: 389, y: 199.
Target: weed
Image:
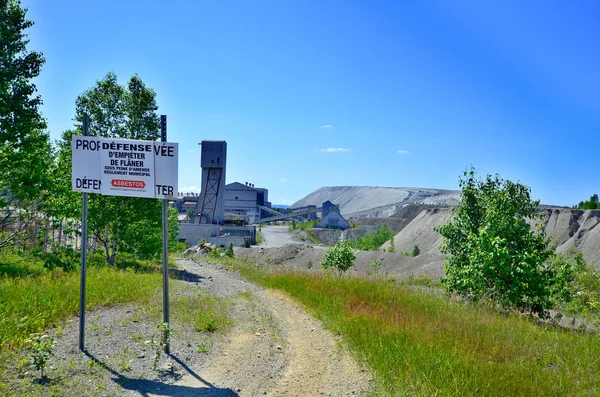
x: 375, y: 265
x: 40, y: 350
x: 202, y: 347
x: 159, y: 341
x: 309, y: 264
x: 136, y: 336
x: 206, y: 322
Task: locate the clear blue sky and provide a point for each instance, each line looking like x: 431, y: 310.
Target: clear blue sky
x: 318, y: 93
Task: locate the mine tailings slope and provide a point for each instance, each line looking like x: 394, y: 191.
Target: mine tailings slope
x: 368, y: 201
x: 569, y: 228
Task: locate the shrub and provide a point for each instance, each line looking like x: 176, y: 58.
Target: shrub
x: 61, y: 256
x: 416, y: 251
x: 339, y: 257
x: 229, y: 251
x: 372, y: 241
x: 40, y: 349
x: 492, y: 250
x: 583, y: 285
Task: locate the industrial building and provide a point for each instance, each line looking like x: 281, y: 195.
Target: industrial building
x: 331, y: 217
x: 241, y: 201
x: 205, y: 216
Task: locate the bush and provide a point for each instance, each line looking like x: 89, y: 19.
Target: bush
x: 63, y: 257
x: 583, y: 285
x: 229, y: 251
x: 492, y: 249
x: 372, y: 241
x: 339, y: 257
x: 416, y: 251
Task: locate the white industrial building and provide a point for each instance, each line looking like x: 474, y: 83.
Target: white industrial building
x: 245, y: 199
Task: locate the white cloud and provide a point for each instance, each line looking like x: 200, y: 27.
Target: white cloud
x: 326, y: 126
x: 189, y: 170
x: 283, y: 180
x: 191, y: 151
x: 403, y: 151
x: 285, y: 201
x: 334, y: 149
x: 189, y: 189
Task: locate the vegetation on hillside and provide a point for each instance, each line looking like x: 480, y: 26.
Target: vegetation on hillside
x: 419, y: 344
x: 591, y: 204
x: 497, y: 250
x: 373, y: 241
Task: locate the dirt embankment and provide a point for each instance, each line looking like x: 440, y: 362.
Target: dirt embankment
x: 309, y: 257
x: 415, y: 226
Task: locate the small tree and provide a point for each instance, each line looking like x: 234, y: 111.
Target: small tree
x: 40, y: 349
x: 492, y: 249
x: 339, y: 257
x: 416, y: 251
x: 229, y: 251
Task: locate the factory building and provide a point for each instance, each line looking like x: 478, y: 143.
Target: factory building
x: 331, y: 217
x: 242, y: 200
x: 206, y: 216
x: 245, y: 199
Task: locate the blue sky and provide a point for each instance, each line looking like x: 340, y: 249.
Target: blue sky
x: 319, y: 92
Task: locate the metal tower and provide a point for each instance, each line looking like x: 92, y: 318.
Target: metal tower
x: 210, y: 206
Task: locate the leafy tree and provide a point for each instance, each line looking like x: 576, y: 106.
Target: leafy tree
x: 339, y: 257
x: 492, y: 249
x: 591, y: 204
x: 118, y: 223
x: 24, y: 144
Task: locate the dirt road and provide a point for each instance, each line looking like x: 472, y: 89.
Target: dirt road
x: 274, y: 348
x: 278, y: 350
x: 277, y: 236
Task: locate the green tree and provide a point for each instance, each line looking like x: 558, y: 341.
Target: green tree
x: 339, y: 257
x: 591, y: 204
x: 24, y: 144
x: 492, y: 249
x: 118, y: 223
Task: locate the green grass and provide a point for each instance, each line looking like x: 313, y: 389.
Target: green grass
x: 36, y: 299
x: 418, y: 344
x: 204, y: 312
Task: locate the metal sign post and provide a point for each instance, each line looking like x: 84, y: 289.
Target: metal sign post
x: 165, y: 248
x: 127, y: 168
x: 84, y: 238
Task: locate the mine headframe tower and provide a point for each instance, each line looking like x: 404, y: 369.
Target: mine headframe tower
x: 210, y: 205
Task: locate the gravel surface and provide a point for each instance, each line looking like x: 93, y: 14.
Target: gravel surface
x: 273, y: 348
x: 277, y: 236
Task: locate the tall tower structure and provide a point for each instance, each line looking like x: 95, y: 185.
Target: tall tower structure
x: 210, y: 205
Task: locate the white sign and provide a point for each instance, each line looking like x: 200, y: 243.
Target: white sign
x: 166, y: 165
x: 127, y: 168
x: 119, y: 167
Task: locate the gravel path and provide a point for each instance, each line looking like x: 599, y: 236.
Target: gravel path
x: 277, y: 236
x: 274, y: 348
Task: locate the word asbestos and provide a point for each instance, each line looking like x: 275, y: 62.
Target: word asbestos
x: 120, y: 167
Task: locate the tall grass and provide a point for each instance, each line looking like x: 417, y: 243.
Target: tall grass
x: 421, y: 345
x: 32, y: 300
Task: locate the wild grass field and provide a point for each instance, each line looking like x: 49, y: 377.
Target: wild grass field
x: 419, y: 344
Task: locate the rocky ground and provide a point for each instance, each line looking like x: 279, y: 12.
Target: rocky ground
x: 273, y: 348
